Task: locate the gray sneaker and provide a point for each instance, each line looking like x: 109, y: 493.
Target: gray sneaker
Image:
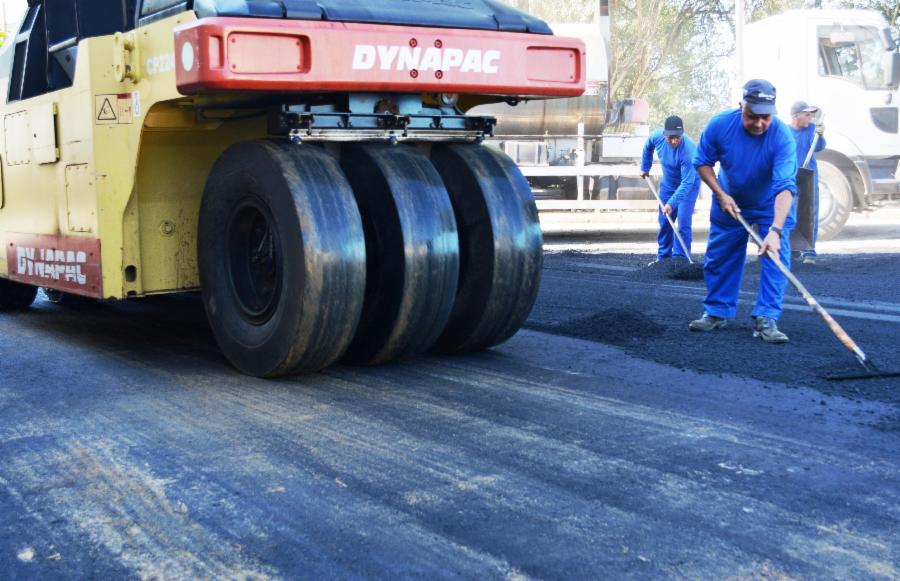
x: 707, y: 323
x: 767, y: 330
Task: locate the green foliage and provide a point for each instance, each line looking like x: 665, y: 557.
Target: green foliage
x: 669, y: 52
x: 890, y: 8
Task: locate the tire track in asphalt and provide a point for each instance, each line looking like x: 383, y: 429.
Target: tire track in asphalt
x: 475, y: 466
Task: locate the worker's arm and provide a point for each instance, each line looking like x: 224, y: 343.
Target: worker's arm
x: 783, y: 202
x: 726, y: 202
x: 820, y: 129
x: 784, y: 181
x: 705, y: 158
x: 647, y: 157
x: 690, y: 181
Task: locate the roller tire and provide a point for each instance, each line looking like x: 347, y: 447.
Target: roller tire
x: 835, y: 200
x: 15, y: 296
x: 412, y: 251
x: 501, y: 246
x: 282, y: 258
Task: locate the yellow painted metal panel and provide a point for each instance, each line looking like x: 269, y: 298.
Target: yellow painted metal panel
x: 81, y: 199
x: 130, y: 175
x: 17, y: 136
x: 43, y: 131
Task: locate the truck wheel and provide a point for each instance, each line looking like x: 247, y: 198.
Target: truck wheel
x: 835, y: 200
x: 412, y: 251
x: 15, y: 295
x: 501, y: 246
x: 282, y: 257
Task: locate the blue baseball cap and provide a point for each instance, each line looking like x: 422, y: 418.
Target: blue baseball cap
x: 674, y: 126
x: 759, y: 96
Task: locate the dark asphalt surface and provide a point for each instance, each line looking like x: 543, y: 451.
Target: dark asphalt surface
x: 624, y: 303
x: 605, y: 441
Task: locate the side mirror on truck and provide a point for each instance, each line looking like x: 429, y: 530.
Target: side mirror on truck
x: 892, y: 69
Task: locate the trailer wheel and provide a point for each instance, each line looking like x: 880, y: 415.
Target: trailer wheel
x: 282, y: 258
x: 835, y: 200
x: 501, y: 246
x: 412, y: 251
x: 15, y: 295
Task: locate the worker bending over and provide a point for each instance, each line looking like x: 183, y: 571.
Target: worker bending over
x: 804, y: 131
x: 679, y: 187
x: 758, y: 179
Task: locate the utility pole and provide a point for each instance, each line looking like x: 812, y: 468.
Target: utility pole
x: 739, y: 49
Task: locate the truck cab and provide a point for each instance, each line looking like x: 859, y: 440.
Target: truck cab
x: 845, y: 62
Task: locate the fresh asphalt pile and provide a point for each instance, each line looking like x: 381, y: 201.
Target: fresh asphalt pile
x: 616, y: 299
x: 674, y: 268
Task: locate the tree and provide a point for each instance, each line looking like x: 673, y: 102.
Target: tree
x: 664, y: 51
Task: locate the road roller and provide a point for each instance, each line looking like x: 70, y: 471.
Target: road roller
x: 308, y: 166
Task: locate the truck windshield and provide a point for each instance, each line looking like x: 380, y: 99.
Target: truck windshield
x: 853, y: 53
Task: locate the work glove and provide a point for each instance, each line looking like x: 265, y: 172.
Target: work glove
x: 645, y: 175
x: 820, y: 129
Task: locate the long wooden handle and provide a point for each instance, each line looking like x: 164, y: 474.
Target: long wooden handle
x: 812, y: 149
x: 838, y: 331
x: 652, y: 187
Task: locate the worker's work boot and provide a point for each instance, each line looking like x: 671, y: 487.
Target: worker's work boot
x: 767, y: 330
x: 707, y: 323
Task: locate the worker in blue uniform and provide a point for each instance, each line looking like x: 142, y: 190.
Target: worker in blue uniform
x: 679, y: 187
x: 758, y: 179
x: 804, y: 131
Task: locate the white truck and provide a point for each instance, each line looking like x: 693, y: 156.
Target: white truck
x: 846, y: 62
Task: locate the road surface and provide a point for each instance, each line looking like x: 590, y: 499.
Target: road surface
x: 603, y: 441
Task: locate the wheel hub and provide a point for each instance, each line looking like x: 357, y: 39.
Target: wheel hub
x: 254, y: 260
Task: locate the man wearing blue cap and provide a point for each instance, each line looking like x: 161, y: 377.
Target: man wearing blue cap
x: 679, y: 187
x: 758, y: 179
x: 804, y: 131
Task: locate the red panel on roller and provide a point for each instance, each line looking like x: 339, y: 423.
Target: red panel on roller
x: 267, y: 53
x: 559, y: 65
x: 66, y: 263
x: 304, y: 55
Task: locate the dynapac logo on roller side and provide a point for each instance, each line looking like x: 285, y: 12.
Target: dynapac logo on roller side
x: 406, y: 58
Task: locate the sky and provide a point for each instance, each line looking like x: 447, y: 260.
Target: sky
x: 12, y: 10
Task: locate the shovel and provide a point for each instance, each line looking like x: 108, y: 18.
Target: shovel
x: 684, y: 248
x: 872, y: 370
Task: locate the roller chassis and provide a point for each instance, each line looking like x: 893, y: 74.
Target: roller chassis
x: 312, y: 231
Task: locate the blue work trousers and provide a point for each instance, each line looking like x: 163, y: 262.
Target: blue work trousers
x: 723, y: 268
x: 683, y: 216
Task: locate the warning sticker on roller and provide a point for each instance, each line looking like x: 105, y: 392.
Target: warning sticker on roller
x: 114, y: 109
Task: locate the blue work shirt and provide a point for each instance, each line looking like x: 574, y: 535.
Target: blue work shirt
x: 680, y: 181
x: 754, y: 169
x: 804, y: 138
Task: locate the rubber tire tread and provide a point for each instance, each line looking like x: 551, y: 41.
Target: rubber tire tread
x: 501, y: 246
x: 323, y: 254
x: 412, y: 249
x: 842, y: 202
x: 15, y: 296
